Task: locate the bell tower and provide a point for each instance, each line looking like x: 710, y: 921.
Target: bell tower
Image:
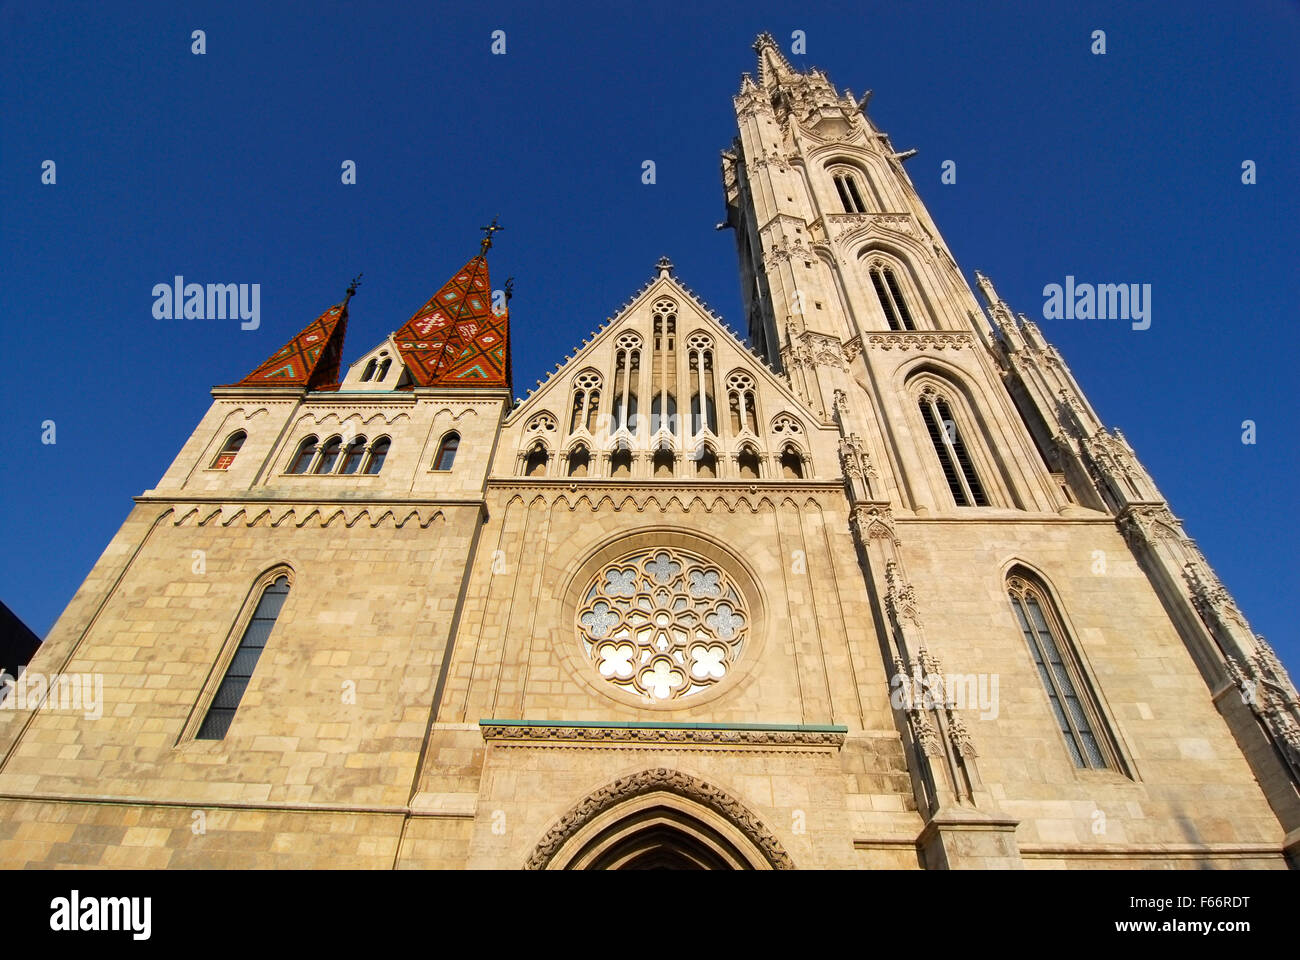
x: 987, y: 499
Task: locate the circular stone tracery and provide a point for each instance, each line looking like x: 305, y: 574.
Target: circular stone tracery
x: 663, y: 624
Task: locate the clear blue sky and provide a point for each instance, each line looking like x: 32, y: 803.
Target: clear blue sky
x: 226, y: 168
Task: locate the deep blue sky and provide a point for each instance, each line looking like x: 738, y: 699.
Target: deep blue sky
x: 226, y: 168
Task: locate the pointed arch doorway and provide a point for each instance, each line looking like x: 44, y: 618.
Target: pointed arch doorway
x: 659, y: 820
x: 659, y: 838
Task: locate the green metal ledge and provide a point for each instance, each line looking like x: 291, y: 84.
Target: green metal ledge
x: 796, y: 736
x: 641, y: 725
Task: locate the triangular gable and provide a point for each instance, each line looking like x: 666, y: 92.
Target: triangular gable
x: 311, y: 359
x: 456, y: 339
x: 595, y: 348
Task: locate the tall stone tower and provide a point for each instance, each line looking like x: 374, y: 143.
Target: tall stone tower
x: 874, y: 589
x: 985, y: 491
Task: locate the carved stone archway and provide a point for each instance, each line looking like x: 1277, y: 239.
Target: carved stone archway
x: 659, y: 818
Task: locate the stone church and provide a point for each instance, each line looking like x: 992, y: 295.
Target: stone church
x: 871, y: 587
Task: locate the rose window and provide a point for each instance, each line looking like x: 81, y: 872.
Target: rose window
x: 663, y: 624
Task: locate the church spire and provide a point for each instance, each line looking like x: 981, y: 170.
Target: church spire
x: 311, y: 359
x: 460, y: 337
x: 773, y: 67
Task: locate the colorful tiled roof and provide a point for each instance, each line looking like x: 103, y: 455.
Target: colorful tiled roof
x: 310, y: 359
x: 456, y: 339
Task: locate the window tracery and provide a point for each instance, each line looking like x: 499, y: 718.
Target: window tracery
x: 664, y: 624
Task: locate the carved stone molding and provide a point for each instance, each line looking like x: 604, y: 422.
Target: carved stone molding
x: 874, y: 521
x: 1143, y: 524
x: 734, y: 496
x: 920, y: 340
x: 1211, y: 597
x: 302, y: 514
x: 848, y: 223
x: 840, y: 401
x: 513, y: 733
x: 670, y: 781
x: 851, y: 456
x: 899, y: 595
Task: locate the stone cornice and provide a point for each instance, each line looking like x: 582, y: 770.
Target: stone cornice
x: 921, y: 340
x: 297, y: 513
x: 676, y: 486
x: 740, y: 497
x: 673, y: 734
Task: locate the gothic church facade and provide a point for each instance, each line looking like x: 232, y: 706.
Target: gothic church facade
x: 829, y: 598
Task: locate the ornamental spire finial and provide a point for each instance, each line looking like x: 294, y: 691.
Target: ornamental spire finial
x: 352, y: 288
x: 486, y: 243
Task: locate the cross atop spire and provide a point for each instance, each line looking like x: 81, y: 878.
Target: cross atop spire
x: 486, y: 243
x: 352, y: 288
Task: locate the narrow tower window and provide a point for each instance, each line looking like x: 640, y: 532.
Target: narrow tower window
x: 306, y: 453
x: 1056, y: 661
x: 891, y: 299
x: 846, y: 185
x: 226, y: 700
x: 447, y: 452
x: 352, y: 457
x: 958, y: 470
x: 329, y: 455
x: 229, y: 449
x: 378, y: 454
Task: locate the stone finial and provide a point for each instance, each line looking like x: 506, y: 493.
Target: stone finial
x: 665, y: 267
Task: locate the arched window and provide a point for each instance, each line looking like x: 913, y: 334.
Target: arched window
x: 741, y: 399
x: 586, y: 402
x: 747, y: 462
x: 353, y: 455
x: 1076, y: 711
x: 659, y: 420
x: 663, y: 368
x: 620, y: 463
x: 240, y: 669
x: 228, y: 450
x: 369, y: 372
x: 846, y: 185
x: 535, y: 465
x: 579, y: 461
x: 329, y: 455
x: 383, y: 369
x: 303, y: 458
x: 378, y: 454
x: 890, y: 295
x: 704, y: 413
x: 446, y: 452
x: 627, y: 361
x: 791, y: 463
x: 706, y: 463
x: 955, y: 461
x: 664, y: 462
